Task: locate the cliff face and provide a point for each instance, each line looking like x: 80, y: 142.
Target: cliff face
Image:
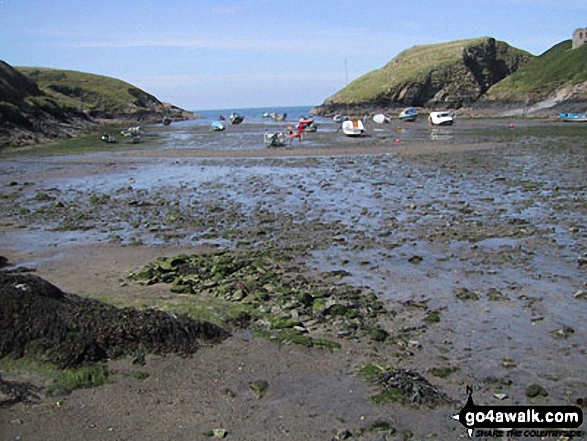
x: 449, y: 75
x: 25, y: 110
x: 40, y: 104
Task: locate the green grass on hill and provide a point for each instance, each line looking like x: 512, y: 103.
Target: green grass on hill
x: 86, y: 92
x: 557, y: 67
x: 411, y: 66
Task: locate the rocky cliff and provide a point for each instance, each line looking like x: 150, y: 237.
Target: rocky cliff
x: 39, y: 104
x: 448, y: 75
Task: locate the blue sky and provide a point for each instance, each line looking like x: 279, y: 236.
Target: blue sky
x: 204, y: 54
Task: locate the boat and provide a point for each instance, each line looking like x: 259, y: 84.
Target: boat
x: 339, y: 119
x: 380, y: 118
x: 235, y: 118
x: 354, y: 127
x: 278, y: 116
x: 440, y: 119
x: 307, y: 125
x: 408, y: 114
x: 217, y: 126
x: 276, y: 139
x: 166, y: 121
x: 108, y: 139
x: 574, y: 117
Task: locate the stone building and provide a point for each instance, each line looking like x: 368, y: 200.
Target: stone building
x: 579, y: 37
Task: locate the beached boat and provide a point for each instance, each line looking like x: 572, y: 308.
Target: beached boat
x: 380, y: 118
x: 276, y: 139
x: 440, y: 119
x: 339, y: 119
x: 235, y: 118
x: 279, y: 116
x: 307, y: 124
x: 217, y: 126
x: 109, y: 139
x: 353, y: 128
x: 408, y: 114
x: 574, y: 117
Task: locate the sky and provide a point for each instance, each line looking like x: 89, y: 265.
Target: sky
x: 210, y: 54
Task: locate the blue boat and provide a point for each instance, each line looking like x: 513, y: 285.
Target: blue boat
x: 409, y: 114
x: 574, y: 117
x: 218, y: 126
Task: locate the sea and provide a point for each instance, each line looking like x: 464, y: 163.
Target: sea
x: 254, y: 115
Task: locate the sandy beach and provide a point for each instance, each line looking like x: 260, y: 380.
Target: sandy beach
x: 473, y: 238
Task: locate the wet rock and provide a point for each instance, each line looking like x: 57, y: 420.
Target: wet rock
x: 563, y: 333
x: 37, y: 319
x: 415, y: 259
x: 342, y: 435
x: 12, y: 392
x: 466, y: 294
x: 378, y: 334
x: 404, y: 386
x: 580, y: 294
x: 259, y: 388
x: 535, y: 390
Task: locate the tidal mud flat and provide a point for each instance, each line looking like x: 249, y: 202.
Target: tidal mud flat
x: 452, y: 257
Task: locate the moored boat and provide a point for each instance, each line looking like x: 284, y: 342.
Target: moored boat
x: 235, y: 118
x: 408, y: 114
x: 354, y: 127
x: 339, y: 119
x: 217, y: 126
x: 279, y: 116
x: 380, y: 118
x: 276, y: 139
x: 574, y: 117
x: 440, y: 119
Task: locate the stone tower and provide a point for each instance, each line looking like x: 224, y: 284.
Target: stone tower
x: 579, y: 37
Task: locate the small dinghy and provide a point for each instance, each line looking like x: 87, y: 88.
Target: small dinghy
x: 380, y: 118
x: 353, y: 128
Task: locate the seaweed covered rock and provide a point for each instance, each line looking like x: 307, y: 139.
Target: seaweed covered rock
x: 38, y: 319
x: 403, y: 386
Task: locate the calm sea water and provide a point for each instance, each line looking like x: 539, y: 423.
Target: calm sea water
x: 254, y: 115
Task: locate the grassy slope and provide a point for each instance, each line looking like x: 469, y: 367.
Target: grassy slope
x: 411, y: 66
x: 557, y: 67
x: 83, y: 91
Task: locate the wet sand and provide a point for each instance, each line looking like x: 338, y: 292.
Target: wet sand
x: 480, y: 224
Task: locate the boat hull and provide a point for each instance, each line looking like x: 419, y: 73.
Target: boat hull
x: 440, y: 119
x: 353, y: 128
x: 574, y: 117
x: 409, y: 114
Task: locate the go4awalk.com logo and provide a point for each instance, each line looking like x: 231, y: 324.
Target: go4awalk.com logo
x: 520, y: 421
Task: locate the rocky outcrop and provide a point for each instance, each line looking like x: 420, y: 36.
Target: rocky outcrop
x: 39, y: 320
x: 450, y: 75
x: 42, y: 104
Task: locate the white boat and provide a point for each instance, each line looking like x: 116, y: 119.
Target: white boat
x: 353, y: 128
x: 380, y: 118
x: 339, y: 119
x: 276, y: 139
x: 218, y: 126
x: 440, y: 119
x: 278, y: 116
